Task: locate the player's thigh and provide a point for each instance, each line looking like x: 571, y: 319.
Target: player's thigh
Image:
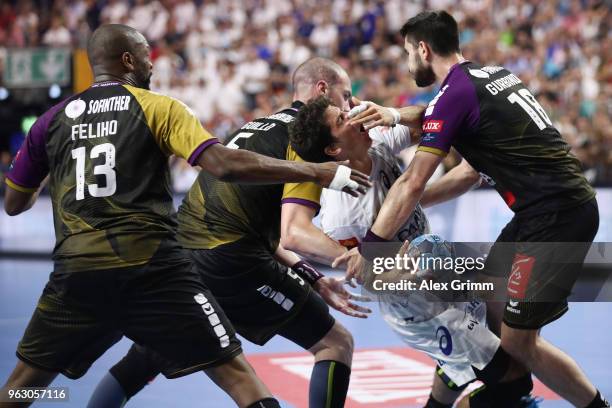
x: 72, y: 324
x: 169, y: 310
x: 499, y: 258
x: 259, y: 295
x: 547, y: 263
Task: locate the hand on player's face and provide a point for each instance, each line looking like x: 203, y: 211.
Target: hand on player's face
x: 371, y: 115
x: 335, y: 295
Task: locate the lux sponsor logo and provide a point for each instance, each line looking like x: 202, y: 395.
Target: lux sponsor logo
x: 213, y: 319
x: 433, y: 126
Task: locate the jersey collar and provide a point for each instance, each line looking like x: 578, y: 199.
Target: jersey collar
x: 105, y: 83
x: 453, y: 68
x: 296, y: 105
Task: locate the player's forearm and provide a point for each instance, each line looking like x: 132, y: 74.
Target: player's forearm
x: 237, y: 165
x: 286, y: 257
x: 411, y: 116
x: 398, y: 206
x: 313, y: 244
x: 245, y: 166
x: 457, y: 181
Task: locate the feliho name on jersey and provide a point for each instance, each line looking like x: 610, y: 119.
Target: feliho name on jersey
x: 94, y: 130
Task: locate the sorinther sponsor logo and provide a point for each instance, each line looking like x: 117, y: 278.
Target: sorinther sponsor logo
x: 213, y: 319
x: 112, y: 104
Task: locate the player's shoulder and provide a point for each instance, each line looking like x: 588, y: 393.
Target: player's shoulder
x: 283, y: 116
x: 267, y: 135
x: 480, y: 76
x: 157, y: 101
x: 67, y: 107
x: 462, y: 77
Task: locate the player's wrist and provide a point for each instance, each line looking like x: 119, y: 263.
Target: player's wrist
x: 307, y: 272
x: 369, y: 237
x: 395, y: 115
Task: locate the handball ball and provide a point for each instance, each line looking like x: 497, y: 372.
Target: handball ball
x: 432, y: 250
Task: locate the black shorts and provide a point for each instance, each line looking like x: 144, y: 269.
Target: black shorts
x: 260, y: 296
x: 542, y: 257
x: 163, y: 305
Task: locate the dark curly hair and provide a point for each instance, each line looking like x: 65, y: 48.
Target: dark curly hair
x: 309, y: 134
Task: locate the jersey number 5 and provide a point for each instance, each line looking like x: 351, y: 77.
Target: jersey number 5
x: 529, y: 104
x: 242, y: 135
x: 105, y: 169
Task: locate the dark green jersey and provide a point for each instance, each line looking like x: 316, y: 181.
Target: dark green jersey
x: 215, y: 212
x: 497, y: 125
x: 106, y: 152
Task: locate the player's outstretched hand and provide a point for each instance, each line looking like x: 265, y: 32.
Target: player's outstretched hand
x: 371, y: 115
x: 355, y: 265
x: 338, y: 176
x: 332, y: 290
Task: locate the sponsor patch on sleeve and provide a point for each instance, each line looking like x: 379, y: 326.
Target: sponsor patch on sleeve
x: 432, y: 126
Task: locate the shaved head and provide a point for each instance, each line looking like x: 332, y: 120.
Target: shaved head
x: 321, y: 76
x: 117, y: 50
x: 316, y: 69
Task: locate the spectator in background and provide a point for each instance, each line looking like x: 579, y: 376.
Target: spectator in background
x: 560, y: 48
x: 115, y: 11
x: 57, y: 35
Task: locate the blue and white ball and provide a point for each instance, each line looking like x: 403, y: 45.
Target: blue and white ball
x: 432, y: 251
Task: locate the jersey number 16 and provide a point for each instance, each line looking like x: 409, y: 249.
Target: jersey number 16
x: 105, y: 169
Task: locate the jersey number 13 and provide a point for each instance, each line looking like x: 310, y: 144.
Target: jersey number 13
x: 105, y: 169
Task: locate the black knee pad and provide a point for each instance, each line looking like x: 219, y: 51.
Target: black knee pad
x: 433, y: 403
x: 502, y: 395
x: 496, y: 369
x: 136, y: 369
x: 265, y: 403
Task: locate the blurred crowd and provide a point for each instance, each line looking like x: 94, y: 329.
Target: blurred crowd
x: 231, y: 60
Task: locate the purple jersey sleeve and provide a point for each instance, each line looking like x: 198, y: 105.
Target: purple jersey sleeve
x: 454, y: 111
x: 31, y: 164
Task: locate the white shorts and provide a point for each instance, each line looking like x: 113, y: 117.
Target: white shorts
x: 457, y: 338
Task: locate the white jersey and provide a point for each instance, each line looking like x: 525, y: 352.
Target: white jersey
x: 346, y: 219
x: 452, y: 333
x: 457, y: 338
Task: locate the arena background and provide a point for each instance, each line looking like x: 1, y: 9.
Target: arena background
x: 231, y: 61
